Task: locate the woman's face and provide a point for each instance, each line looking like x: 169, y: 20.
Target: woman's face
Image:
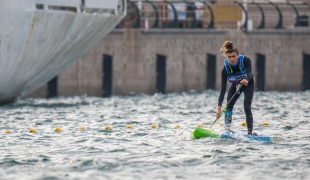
x: 232, y: 58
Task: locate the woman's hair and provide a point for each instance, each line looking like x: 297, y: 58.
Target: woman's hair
x: 228, y: 47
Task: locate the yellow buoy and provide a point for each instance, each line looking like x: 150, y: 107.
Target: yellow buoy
x: 199, y: 125
x: 243, y: 123
x: 221, y: 123
x: 154, y: 126
x: 107, y: 127
x: 32, y: 130
x: 58, y: 129
x: 129, y: 127
x: 83, y: 128
x: 8, y: 131
x: 266, y: 124
x: 177, y: 126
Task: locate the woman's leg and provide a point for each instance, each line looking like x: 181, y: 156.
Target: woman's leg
x: 248, y: 97
x: 232, y: 90
x: 228, y: 114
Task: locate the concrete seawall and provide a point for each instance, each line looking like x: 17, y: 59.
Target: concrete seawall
x: 135, y: 52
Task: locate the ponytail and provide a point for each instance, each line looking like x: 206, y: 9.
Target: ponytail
x: 228, y: 47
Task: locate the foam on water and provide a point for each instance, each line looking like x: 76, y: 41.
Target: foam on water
x: 152, y: 153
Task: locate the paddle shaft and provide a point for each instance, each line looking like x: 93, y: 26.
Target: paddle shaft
x: 225, y: 107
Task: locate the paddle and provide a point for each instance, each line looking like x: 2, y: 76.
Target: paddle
x: 225, y: 107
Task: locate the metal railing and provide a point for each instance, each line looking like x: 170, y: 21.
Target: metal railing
x: 167, y: 14
x: 262, y: 14
x: 89, y: 6
x: 271, y: 15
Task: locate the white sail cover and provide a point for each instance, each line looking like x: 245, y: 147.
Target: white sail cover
x: 41, y: 38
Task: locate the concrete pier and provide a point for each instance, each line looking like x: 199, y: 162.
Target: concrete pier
x: 134, y: 53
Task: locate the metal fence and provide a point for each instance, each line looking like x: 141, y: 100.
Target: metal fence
x: 90, y: 6
x: 212, y: 14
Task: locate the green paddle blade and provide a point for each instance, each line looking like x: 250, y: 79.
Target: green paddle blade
x: 200, y: 132
x: 275, y: 138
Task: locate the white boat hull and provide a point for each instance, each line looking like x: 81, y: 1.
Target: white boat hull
x: 37, y: 45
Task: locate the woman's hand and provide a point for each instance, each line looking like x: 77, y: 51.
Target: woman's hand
x: 218, y: 112
x: 244, y: 82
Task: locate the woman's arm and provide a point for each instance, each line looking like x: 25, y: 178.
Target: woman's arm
x: 248, y: 67
x: 223, y: 86
x: 222, y: 92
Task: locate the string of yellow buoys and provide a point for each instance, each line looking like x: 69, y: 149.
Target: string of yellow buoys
x: 243, y: 123
x: 153, y: 126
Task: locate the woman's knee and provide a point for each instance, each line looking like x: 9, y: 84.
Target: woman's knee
x: 247, y: 109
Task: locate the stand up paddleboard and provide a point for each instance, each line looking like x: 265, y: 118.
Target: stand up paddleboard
x: 200, y: 133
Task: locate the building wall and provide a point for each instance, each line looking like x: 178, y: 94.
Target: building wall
x: 134, y: 60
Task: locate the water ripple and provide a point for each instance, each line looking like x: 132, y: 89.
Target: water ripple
x: 163, y: 153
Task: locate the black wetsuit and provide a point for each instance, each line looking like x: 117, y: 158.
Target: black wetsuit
x: 247, y: 90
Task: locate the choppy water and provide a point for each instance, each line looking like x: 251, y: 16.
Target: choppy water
x: 145, y: 153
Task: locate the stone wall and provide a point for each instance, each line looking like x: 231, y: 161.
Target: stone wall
x: 134, y: 54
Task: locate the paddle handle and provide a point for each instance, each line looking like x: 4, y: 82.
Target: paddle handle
x: 220, y: 115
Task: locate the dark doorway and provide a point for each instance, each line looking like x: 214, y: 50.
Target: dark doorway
x: 303, y: 20
x: 161, y: 74
x: 211, y: 71
x: 52, y: 88
x: 260, y: 69
x: 306, y: 72
x: 107, y: 75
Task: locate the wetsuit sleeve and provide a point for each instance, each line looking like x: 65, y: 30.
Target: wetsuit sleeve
x: 223, y: 86
x: 248, y: 67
